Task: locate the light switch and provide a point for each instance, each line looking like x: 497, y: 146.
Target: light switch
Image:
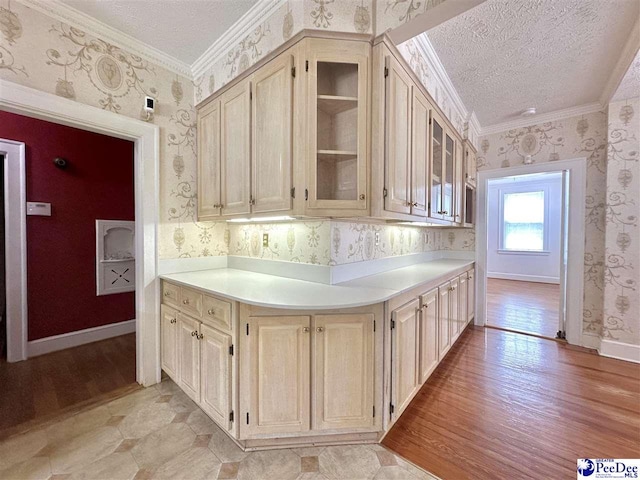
x: 265, y: 240
x: 377, y: 238
x: 39, y: 208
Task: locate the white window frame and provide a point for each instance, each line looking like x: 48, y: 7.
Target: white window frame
x: 529, y: 188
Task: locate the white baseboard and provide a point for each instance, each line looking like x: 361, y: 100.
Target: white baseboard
x: 73, y: 339
x: 523, y: 278
x: 619, y: 350
x: 591, y: 340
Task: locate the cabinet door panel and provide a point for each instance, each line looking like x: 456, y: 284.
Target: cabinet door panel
x: 398, y: 138
x: 343, y: 366
x: 189, y: 356
x: 272, y: 141
x: 471, y: 295
x: 436, y: 170
x: 279, y: 356
x: 169, y: 354
x: 454, y: 310
x: 215, y: 395
x: 428, y: 334
x: 235, y: 119
x: 419, y: 156
x: 405, y: 355
x: 209, y: 161
x: 462, y: 301
x: 444, y: 342
x: 448, y: 187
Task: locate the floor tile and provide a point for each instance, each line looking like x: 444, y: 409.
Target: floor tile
x: 181, y: 402
x: 308, y: 451
x: 276, y: 464
x: 229, y: 471
x: 146, y: 420
x: 78, y: 424
x: 132, y: 402
x: 309, y: 464
x: 162, y: 445
x: 386, y: 458
x: 201, y: 423
x: 126, y: 445
x: 21, y: 447
x: 78, y: 451
x: 117, y: 466
x: 224, y: 448
x: 35, y: 468
x: 349, y: 461
x: 394, y: 473
x: 201, y: 441
x: 192, y: 464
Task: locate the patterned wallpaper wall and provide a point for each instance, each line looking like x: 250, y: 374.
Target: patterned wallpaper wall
x: 583, y: 136
x: 622, y: 210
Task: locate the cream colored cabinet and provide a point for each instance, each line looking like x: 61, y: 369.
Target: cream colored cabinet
x: 471, y: 164
x: 271, y: 143
x: 343, y: 370
x: 449, y: 184
x: 428, y: 334
x: 337, y: 137
x: 458, y: 182
x: 169, y: 333
x: 454, y: 310
x: 189, y: 356
x: 278, y: 356
x: 405, y: 355
x: 419, y: 152
x: 235, y: 133
x: 215, y: 380
x: 437, y: 170
x: 463, y: 301
x: 209, y: 185
x: 444, y: 315
x: 398, y: 138
x: 471, y: 295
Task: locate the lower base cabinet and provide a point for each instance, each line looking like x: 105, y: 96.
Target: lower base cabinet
x: 169, y: 345
x: 189, y: 356
x: 471, y: 295
x: 215, y: 380
x: 428, y: 334
x: 405, y: 329
x: 444, y: 315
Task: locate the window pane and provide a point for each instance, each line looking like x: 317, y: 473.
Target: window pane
x: 523, y: 221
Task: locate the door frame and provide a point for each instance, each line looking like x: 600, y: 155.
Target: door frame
x: 574, y: 291
x: 146, y: 137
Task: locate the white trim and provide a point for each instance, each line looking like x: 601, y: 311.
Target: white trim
x: 15, y: 238
x: 523, y: 278
x: 542, y: 118
x: 64, y: 13
x: 80, y: 337
x: 629, y: 52
x: 619, y: 350
x: 179, y: 265
x: 46, y: 106
x: 576, y: 235
x: 591, y: 340
x: 256, y: 15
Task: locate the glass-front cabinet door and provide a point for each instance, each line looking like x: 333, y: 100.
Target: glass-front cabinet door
x: 337, y: 135
x: 437, y: 172
x: 448, y: 189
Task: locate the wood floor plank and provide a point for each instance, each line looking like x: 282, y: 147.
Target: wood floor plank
x: 501, y: 397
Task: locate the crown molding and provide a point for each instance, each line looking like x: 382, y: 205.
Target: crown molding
x: 66, y: 14
x: 629, y: 52
x: 474, y: 123
x: 262, y: 10
x: 543, y: 118
x: 442, y: 77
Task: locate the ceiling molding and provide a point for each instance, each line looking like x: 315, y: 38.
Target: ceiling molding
x: 247, y: 23
x: 442, y: 77
x: 542, y: 118
x: 66, y: 14
x: 474, y: 124
x: 627, y: 56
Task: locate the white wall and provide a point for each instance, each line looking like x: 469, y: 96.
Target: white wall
x: 530, y: 266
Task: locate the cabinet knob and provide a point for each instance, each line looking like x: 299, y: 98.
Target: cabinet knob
x: 305, y: 329
x: 217, y: 205
x: 173, y: 320
x: 362, y: 197
x: 319, y: 329
x: 194, y: 333
x: 200, y: 336
x: 185, y: 301
x: 211, y: 312
x: 166, y: 294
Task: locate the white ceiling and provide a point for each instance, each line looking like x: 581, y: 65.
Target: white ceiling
x: 183, y: 29
x: 504, y: 56
x: 630, y: 84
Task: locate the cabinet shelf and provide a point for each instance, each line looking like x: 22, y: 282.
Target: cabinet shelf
x: 337, y: 154
x: 333, y: 104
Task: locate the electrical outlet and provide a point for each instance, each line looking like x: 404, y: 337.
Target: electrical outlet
x: 265, y: 240
x: 426, y: 237
x: 377, y: 238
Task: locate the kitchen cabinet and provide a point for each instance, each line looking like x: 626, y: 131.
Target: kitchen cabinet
x: 209, y: 183
x: 454, y: 310
x: 215, y: 381
x: 443, y: 174
x: 428, y: 334
x: 337, y: 137
x: 458, y: 181
x: 279, y: 385
x: 463, y: 301
x: 189, y: 356
x: 444, y: 319
x: 405, y: 337
x: 471, y: 163
x: 471, y: 295
x: 419, y: 152
x: 169, y: 334
x: 343, y: 366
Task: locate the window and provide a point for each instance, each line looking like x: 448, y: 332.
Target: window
x: 523, y: 221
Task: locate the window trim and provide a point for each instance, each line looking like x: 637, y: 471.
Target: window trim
x: 529, y: 188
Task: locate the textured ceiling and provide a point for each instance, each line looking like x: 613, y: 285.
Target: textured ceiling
x: 504, y: 56
x: 630, y: 84
x: 183, y: 29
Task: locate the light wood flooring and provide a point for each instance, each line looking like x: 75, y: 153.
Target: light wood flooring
x: 44, y: 386
x: 523, y: 306
x: 506, y: 405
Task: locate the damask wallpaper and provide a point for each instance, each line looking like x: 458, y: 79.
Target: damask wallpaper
x: 622, y: 210
x: 583, y: 136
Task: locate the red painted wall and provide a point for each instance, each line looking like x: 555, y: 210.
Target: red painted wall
x: 61, y: 249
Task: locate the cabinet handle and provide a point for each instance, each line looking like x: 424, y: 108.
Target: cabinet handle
x: 252, y: 201
x: 185, y: 301
x: 166, y: 294
x: 414, y: 204
x: 217, y: 205
x: 211, y: 312
x: 173, y: 320
x: 362, y: 197
x: 319, y: 329
x: 305, y: 329
x: 194, y: 333
x: 200, y: 336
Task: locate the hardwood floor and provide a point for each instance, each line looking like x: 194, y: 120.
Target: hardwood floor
x: 506, y: 405
x: 523, y: 306
x: 43, y: 386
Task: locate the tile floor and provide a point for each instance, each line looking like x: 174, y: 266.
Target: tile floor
x: 160, y: 433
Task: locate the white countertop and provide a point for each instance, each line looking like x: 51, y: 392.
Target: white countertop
x: 286, y: 293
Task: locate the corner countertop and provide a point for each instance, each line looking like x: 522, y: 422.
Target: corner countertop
x: 285, y: 293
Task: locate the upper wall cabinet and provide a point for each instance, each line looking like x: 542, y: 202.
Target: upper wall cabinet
x: 337, y: 143
x: 209, y: 161
x: 470, y: 164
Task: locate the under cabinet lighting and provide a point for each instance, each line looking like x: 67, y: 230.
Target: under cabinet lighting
x: 283, y: 218
x: 421, y: 224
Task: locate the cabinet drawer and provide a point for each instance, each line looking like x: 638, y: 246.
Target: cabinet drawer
x: 217, y: 312
x: 170, y: 294
x: 191, y: 302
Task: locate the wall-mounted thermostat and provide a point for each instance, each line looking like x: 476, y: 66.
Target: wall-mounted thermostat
x: 149, y: 104
x: 39, y: 208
